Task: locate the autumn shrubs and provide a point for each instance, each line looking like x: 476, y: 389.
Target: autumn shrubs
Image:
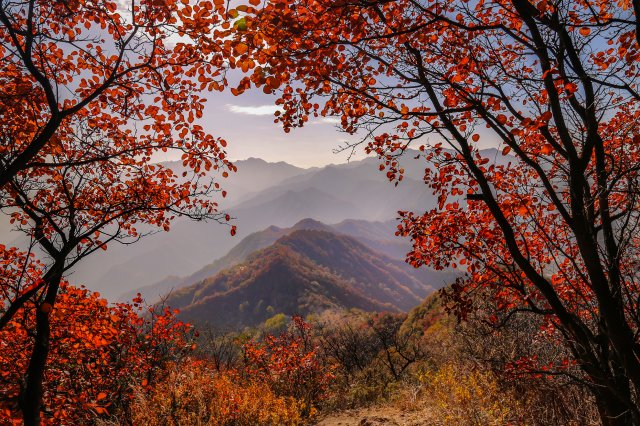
x: 371, y: 353
x: 290, y: 365
x: 277, y: 380
x: 125, y: 364
x: 99, y: 354
x: 194, y: 393
x: 450, y: 373
x: 247, y: 378
x: 473, y: 376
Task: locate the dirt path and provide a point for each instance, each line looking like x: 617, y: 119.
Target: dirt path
x: 375, y: 416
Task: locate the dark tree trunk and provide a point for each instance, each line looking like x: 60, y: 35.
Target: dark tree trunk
x: 613, y: 411
x: 33, y: 391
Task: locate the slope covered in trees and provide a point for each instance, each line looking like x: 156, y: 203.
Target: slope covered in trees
x: 377, y: 236
x: 306, y: 271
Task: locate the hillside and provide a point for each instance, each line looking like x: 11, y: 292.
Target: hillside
x: 378, y: 276
x: 306, y: 271
x: 275, y: 280
x: 377, y: 236
x: 249, y: 244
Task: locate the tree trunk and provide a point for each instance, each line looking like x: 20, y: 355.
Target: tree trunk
x: 32, y: 394
x: 613, y: 397
x: 613, y: 412
x: 33, y: 391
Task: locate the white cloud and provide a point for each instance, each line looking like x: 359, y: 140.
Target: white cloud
x: 253, y: 110
x: 329, y: 120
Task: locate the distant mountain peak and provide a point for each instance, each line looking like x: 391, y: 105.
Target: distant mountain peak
x: 254, y: 160
x: 307, y: 235
x: 310, y: 224
x: 257, y: 161
x: 261, y: 161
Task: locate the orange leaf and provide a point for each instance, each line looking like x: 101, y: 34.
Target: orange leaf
x: 241, y: 48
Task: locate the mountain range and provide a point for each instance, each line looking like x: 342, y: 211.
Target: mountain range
x: 260, y: 195
x: 373, y: 235
x: 304, y: 271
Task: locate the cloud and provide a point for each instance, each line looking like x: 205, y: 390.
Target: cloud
x: 330, y: 120
x: 253, y: 110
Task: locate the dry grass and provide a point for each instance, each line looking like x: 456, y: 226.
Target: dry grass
x: 195, y: 395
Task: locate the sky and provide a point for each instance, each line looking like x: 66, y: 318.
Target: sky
x: 247, y: 123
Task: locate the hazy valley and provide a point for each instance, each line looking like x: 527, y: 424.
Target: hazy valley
x: 354, y: 197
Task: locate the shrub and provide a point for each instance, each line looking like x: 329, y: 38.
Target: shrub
x: 98, y: 353
x: 195, y: 394
x: 289, y: 364
x: 457, y: 396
